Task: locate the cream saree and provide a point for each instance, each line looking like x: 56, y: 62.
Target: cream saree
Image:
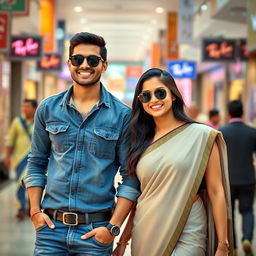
x: 171, y: 171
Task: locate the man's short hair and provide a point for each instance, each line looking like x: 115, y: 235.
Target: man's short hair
x: 235, y: 108
x: 213, y: 112
x: 33, y: 102
x: 88, y: 38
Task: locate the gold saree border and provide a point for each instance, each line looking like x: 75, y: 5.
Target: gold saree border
x: 188, y: 205
x: 165, y: 138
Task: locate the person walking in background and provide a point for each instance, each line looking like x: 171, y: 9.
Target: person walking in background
x: 177, y: 162
x: 241, y: 145
x: 78, y: 145
x: 193, y: 112
x: 214, y: 118
x: 17, y: 146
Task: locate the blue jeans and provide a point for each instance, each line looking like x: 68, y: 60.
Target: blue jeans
x: 66, y: 240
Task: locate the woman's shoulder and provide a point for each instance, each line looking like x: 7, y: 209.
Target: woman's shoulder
x: 204, y: 128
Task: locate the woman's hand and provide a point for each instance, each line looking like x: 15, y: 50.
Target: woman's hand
x: 120, y: 249
x: 222, y: 250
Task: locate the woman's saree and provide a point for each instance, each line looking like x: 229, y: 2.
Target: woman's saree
x: 171, y: 171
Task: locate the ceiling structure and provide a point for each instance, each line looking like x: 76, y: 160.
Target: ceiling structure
x: 128, y: 26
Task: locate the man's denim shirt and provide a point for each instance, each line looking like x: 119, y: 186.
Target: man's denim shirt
x: 76, y: 159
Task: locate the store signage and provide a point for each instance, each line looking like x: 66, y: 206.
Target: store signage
x: 243, y: 50
x: 4, y: 31
x: 182, y: 69
x: 219, y: 49
x: 16, y: 7
x: 26, y: 47
x: 224, y: 49
x: 50, y: 62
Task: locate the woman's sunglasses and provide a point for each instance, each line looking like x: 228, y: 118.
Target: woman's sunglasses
x: 146, y: 96
x: 92, y: 60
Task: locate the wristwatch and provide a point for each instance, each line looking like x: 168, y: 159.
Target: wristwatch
x: 113, y: 229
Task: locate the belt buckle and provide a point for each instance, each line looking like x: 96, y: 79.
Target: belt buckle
x: 66, y: 214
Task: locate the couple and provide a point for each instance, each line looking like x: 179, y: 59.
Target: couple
x: 82, y: 137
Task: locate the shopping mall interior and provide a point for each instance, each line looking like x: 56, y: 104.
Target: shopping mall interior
x: 208, y: 46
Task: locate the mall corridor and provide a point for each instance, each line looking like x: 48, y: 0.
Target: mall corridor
x: 17, y: 237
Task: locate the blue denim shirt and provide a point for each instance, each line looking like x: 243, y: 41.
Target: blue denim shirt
x: 76, y: 158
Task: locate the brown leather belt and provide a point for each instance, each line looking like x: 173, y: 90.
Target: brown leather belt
x: 75, y: 218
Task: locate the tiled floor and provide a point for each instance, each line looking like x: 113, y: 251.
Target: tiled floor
x: 17, y: 237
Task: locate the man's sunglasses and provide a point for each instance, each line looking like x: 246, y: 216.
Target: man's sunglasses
x: 92, y: 60
x: 146, y: 96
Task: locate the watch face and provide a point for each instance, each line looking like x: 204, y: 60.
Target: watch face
x: 115, y: 231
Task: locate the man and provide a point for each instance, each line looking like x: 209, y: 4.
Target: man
x: 214, y: 119
x: 241, y: 145
x: 18, y: 141
x: 79, y: 141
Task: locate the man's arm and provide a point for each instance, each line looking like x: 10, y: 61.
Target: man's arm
x: 37, y: 216
x: 128, y: 192
x: 7, y: 158
x: 9, y: 143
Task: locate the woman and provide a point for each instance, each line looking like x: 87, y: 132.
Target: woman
x: 175, y: 159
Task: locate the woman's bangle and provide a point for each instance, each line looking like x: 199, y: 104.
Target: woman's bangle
x: 122, y: 243
x: 225, y: 242
x: 223, y: 246
x: 35, y: 213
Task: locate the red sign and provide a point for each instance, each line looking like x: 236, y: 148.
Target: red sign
x: 26, y: 47
x: 4, y: 31
x: 51, y: 62
x: 243, y: 50
x: 219, y: 49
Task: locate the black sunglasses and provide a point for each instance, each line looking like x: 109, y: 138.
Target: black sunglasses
x: 146, y: 96
x: 92, y: 60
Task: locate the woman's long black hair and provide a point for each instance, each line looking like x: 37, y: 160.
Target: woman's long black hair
x: 142, y: 126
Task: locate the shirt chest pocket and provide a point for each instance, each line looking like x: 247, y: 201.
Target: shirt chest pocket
x: 104, y: 142
x: 58, y: 136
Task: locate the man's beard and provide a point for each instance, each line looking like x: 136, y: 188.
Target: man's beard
x: 89, y: 83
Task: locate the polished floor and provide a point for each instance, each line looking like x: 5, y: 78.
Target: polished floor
x: 17, y: 237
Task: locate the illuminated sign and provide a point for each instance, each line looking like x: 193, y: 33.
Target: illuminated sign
x: 224, y: 49
x: 219, y: 49
x: 26, y: 47
x: 50, y: 62
x: 182, y: 69
x: 243, y: 50
x: 16, y: 7
x: 4, y: 31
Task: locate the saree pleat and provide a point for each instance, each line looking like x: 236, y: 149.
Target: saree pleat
x: 170, y: 172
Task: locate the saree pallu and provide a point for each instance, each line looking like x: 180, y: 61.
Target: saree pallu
x: 170, y: 172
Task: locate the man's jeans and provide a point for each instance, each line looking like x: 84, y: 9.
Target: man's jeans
x: 66, y: 240
x: 245, y: 196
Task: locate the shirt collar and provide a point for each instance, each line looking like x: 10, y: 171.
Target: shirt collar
x: 236, y: 119
x: 104, y: 98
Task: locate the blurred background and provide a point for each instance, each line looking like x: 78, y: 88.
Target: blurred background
x: 209, y: 46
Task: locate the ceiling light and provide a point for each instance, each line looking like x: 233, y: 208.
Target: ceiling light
x: 159, y: 10
x: 204, y: 7
x: 83, y: 20
x: 78, y: 8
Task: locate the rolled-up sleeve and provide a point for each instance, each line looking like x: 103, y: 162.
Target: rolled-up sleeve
x: 130, y: 186
x: 40, y: 152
